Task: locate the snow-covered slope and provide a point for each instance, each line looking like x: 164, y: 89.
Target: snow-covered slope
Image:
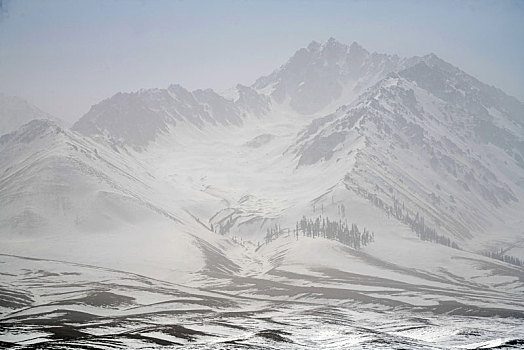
x: 15, y: 112
x: 67, y: 197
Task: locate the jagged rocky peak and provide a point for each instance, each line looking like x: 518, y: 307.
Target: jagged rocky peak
x: 324, y: 76
x: 178, y: 90
x: 314, y: 46
x: 333, y: 51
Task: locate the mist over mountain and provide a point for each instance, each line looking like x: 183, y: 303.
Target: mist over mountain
x: 341, y: 189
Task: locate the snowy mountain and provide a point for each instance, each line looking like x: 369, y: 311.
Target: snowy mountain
x: 318, y: 78
x: 237, y: 215
x: 14, y: 112
x: 447, y: 146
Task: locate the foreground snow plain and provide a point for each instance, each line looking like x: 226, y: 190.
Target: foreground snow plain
x: 66, y: 306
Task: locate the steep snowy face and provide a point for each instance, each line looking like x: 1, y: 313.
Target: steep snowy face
x: 493, y: 116
x: 326, y: 76
x: 137, y: 118
x: 14, y: 112
x: 434, y: 138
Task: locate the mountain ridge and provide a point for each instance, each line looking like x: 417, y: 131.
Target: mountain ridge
x: 152, y: 111
x: 16, y: 111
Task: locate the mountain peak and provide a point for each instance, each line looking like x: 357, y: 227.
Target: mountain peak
x: 431, y: 55
x: 36, y: 128
x: 39, y: 126
x: 332, y: 45
x: 356, y: 47
x: 15, y: 111
x: 313, y: 46
x: 332, y: 41
x: 323, y: 76
x: 433, y: 61
x: 176, y: 88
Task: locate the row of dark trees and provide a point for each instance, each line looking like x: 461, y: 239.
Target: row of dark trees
x: 325, y: 228
x: 425, y: 233
x: 414, y: 220
x: 336, y: 230
x: 417, y: 225
x: 499, y: 255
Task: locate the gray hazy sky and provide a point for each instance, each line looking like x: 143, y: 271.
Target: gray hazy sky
x: 65, y: 56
